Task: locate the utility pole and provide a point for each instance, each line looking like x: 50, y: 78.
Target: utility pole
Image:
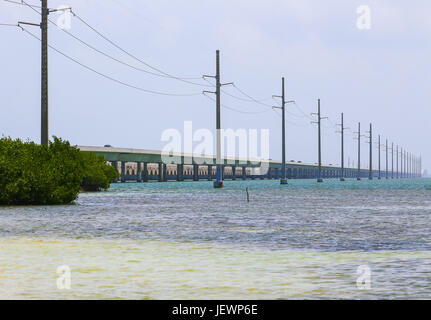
x: 409, y: 165
x: 44, y: 134
x: 342, y: 146
x: 387, y: 166
x: 398, y: 173
x: 392, y: 159
x: 359, y: 151
x: 219, y: 175
x: 43, y: 25
x: 319, y: 120
x: 420, y: 166
x: 379, y: 147
x: 406, y: 160
x: 44, y: 74
x: 370, y: 176
x: 405, y: 164
x: 283, y: 179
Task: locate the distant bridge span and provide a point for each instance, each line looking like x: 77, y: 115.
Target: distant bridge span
x: 147, y: 165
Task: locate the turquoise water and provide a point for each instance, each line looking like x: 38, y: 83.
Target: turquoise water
x: 187, y: 240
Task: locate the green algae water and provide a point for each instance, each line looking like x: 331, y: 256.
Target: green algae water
x: 189, y: 241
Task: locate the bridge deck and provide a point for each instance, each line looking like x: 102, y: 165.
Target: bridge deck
x: 147, y: 165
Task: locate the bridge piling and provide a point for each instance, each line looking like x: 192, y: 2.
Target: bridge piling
x: 164, y: 172
x: 209, y: 173
x: 123, y: 171
x: 195, y: 172
x: 138, y: 173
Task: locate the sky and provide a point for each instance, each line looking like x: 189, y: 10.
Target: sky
x: 379, y: 75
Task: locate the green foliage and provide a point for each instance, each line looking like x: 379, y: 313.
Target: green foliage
x: 32, y: 174
x: 97, y: 174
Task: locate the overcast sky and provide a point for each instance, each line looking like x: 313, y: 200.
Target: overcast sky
x: 380, y: 75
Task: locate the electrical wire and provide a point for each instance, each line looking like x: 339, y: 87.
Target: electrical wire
x: 289, y: 112
x: 23, y: 4
x: 302, y: 111
x: 109, y: 77
x: 251, y: 98
x: 289, y: 122
x: 231, y: 95
x: 163, y: 75
x: 234, y: 109
x: 111, y: 57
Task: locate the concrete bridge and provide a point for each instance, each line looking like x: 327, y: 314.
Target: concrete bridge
x: 148, y: 165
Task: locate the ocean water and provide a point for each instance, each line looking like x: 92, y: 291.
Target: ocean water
x: 186, y: 240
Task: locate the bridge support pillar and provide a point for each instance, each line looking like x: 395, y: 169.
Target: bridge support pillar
x: 123, y: 171
x: 195, y: 172
x: 244, y: 173
x: 180, y: 172
x: 139, y: 173
x: 165, y: 172
x: 234, y: 173
x: 210, y: 173
x: 160, y: 172
x: 145, y: 173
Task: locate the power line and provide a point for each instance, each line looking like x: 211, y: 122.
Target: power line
x: 234, y: 109
x: 165, y: 74
x: 234, y: 96
x: 22, y: 3
x: 102, y: 52
x: 111, y: 78
x: 289, y: 122
x: 115, y: 59
x: 289, y: 112
x: 260, y: 102
x: 302, y: 111
x: 251, y: 98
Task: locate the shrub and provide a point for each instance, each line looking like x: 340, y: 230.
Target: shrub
x: 97, y: 174
x: 32, y: 174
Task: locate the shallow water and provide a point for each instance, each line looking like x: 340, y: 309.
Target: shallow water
x: 188, y: 241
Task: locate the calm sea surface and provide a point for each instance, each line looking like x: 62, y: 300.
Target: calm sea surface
x: 188, y: 241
